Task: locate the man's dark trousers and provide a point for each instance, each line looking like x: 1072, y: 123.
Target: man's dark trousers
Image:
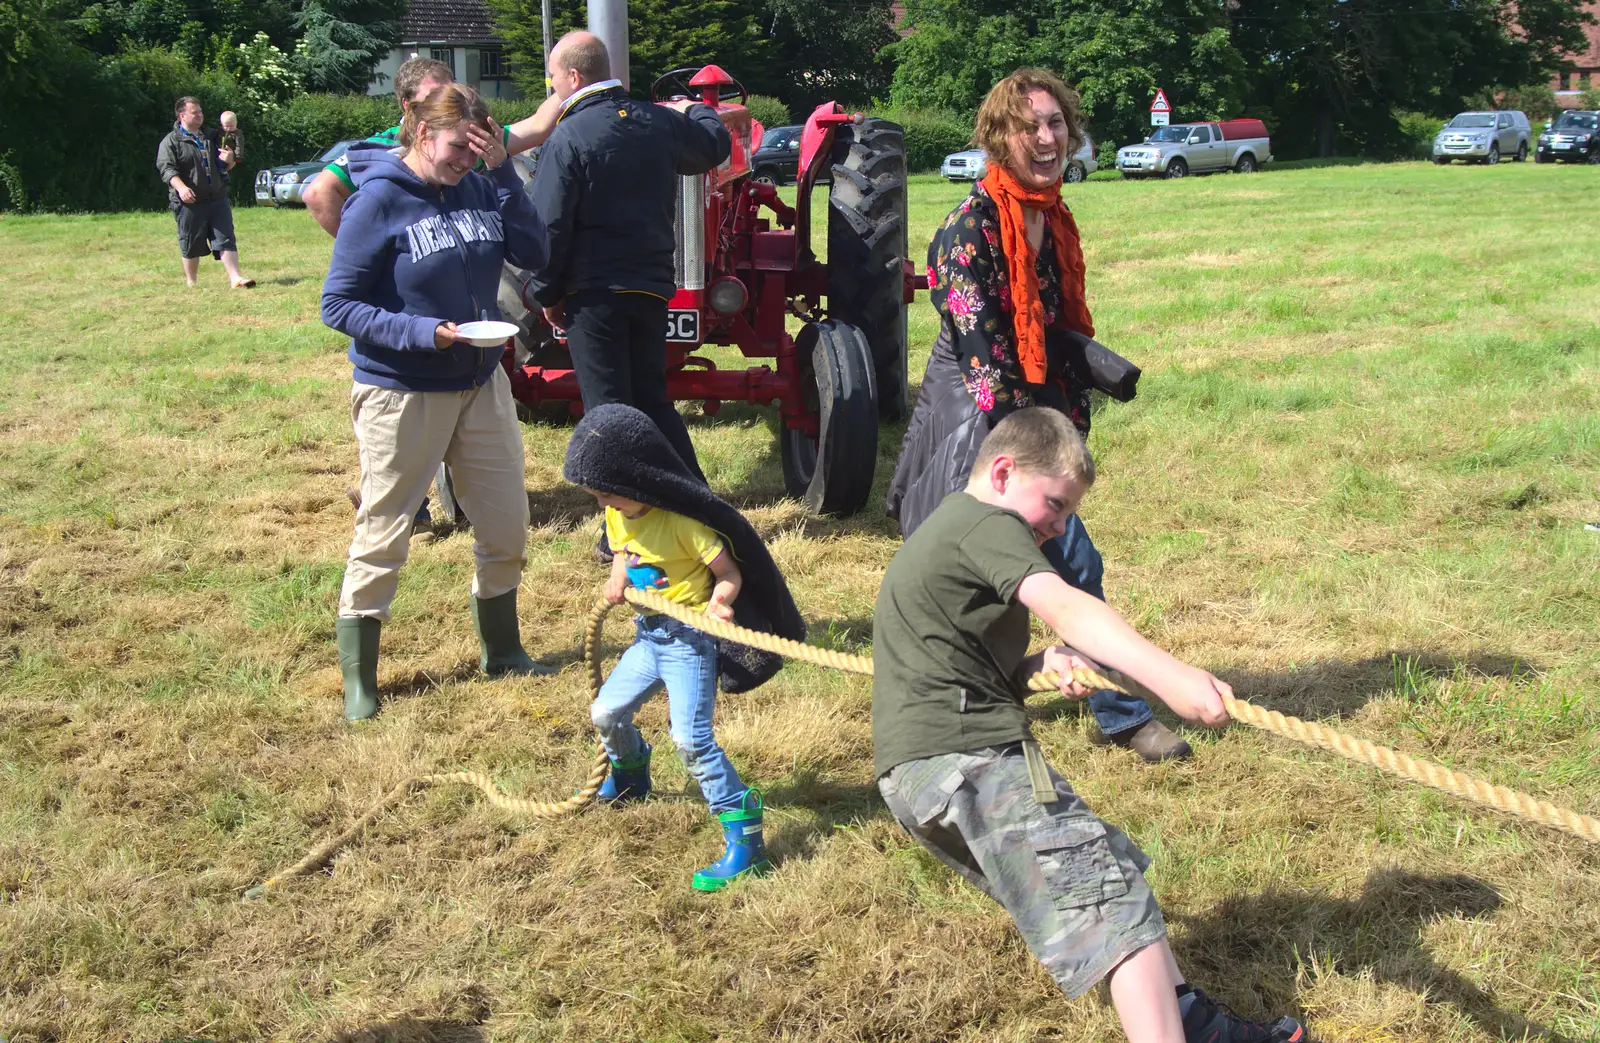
x: 618, y: 343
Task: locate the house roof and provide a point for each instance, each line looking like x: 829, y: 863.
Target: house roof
x: 447, y: 21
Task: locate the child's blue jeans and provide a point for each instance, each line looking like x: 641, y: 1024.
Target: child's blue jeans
x: 666, y: 652
x: 1075, y: 560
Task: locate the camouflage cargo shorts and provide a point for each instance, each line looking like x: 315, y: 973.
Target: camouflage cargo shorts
x: 1074, y: 885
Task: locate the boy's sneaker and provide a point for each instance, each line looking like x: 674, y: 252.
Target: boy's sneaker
x: 1207, y: 1021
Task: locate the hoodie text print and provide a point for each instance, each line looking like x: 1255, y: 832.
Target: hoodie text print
x: 432, y: 234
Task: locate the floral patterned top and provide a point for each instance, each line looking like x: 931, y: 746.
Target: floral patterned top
x: 971, y: 289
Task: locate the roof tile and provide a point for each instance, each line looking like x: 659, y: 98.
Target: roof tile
x: 454, y: 21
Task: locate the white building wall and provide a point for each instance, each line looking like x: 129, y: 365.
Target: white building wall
x: 466, y: 66
x: 383, y: 72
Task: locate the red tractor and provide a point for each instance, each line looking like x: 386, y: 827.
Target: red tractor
x: 745, y: 265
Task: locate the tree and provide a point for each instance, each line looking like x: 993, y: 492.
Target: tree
x: 201, y: 32
x: 802, y: 51
x: 673, y: 34
x: 47, y: 78
x: 829, y: 50
x: 1115, y: 52
x: 1333, y: 72
x: 342, y: 41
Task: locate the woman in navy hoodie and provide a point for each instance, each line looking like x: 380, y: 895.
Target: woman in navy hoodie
x: 419, y: 250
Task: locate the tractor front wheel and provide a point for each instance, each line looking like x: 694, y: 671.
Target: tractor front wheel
x: 833, y: 471
x: 866, y: 241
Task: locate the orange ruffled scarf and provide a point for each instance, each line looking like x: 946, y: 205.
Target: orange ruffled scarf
x: 1011, y: 197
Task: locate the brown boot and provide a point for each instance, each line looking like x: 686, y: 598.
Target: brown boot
x: 1152, y: 741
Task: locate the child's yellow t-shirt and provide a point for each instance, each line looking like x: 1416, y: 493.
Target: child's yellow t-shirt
x: 666, y: 553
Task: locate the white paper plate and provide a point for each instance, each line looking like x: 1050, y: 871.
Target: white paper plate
x: 487, y: 333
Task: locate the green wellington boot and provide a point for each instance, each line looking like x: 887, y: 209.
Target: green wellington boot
x: 357, y: 638
x: 502, y: 651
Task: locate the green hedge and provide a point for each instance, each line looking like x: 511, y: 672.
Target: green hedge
x: 1419, y: 131
x: 931, y: 135
x: 512, y: 110
x: 48, y: 163
x: 769, y: 112
x: 86, y: 138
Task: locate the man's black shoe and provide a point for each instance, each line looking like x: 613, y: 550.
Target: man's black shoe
x: 1207, y: 1021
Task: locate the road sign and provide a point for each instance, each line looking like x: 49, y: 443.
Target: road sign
x: 1160, y: 104
x: 1158, y: 119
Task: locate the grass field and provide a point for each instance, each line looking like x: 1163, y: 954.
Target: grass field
x: 1354, y: 484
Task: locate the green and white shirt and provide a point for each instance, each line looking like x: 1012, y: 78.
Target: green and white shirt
x: 390, y: 139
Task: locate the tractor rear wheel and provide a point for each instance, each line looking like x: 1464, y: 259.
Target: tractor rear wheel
x: 866, y: 241
x: 833, y: 471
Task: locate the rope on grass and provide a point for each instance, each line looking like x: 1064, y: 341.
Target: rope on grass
x: 1307, y: 733
x: 598, y: 769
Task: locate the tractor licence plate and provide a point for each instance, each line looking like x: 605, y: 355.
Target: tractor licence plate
x: 683, y: 326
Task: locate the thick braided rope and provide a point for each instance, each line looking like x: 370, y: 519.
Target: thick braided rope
x: 1307, y: 733
x: 1437, y: 776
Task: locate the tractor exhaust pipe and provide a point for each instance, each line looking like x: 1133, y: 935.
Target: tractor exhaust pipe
x: 608, y: 19
x: 692, y: 231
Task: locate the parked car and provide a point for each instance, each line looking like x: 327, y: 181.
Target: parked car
x: 777, y: 160
x: 1574, y: 137
x: 1483, y: 137
x: 973, y: 164
x: 1198, y: 148
x: 284, y: 185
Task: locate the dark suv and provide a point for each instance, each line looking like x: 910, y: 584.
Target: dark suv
x: 777, y: 161
x: 1574, y: 137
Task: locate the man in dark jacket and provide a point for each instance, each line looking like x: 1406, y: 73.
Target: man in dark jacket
x: 194, y: 168
x: 606, y: 187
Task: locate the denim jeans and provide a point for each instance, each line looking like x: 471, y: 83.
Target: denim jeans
x: 1075, y: 560
x: 666, y: 652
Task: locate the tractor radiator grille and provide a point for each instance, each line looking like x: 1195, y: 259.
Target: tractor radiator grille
x: 689, y: 228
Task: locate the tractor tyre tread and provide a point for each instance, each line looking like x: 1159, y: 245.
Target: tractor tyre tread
x: 832, y: 473
x: 867, y: 239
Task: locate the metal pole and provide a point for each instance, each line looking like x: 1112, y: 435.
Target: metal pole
x: 544, y: 19
x: 608, y: 19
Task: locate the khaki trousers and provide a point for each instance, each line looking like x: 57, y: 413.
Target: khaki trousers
x: 404, y: 435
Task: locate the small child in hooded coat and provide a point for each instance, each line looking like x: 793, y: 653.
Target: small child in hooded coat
x: 672, y: 535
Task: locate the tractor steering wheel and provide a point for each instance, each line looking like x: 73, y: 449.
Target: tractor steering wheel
x: 675, y: 78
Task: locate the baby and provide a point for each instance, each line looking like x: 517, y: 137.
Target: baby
x: 230, y: 134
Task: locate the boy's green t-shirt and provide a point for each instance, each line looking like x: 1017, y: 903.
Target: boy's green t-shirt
x: 949, y: 635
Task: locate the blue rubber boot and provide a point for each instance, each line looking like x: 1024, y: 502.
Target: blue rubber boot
x: 747, y: 851
x: 629, y: 779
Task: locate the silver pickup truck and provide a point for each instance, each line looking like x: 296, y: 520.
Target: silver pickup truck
x: 1198, y: 148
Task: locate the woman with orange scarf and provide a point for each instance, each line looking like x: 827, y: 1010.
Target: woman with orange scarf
x: 1006, y: 274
